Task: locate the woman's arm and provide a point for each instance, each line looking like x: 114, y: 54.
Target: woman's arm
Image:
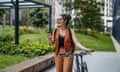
x: 77, y: 43
x: 51, y: 37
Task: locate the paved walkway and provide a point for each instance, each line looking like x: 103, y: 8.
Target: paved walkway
x: 100, y: 62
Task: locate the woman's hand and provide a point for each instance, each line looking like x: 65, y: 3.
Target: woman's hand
x: 49, y: 35
x: 89, y: 50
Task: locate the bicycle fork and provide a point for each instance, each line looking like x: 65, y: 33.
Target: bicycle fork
x: 77, y: 63
x: 81, y: 67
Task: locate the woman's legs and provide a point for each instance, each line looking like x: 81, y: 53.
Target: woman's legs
x: 63, y: 64
x: 68, y: 63
x: 59, y: 63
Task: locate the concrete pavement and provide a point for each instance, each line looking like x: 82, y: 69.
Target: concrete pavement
x: 103, y: 62
x: 100, y: 62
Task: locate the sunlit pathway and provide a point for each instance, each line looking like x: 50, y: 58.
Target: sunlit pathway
x: 100, y: 62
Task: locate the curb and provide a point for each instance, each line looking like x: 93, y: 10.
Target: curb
x: 1, y: 70
x: 116, y: 44
x: 34, y: 65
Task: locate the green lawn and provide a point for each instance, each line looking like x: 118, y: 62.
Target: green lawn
x: 7, y: 60
x: 34, y: 38
x: 99, y: 42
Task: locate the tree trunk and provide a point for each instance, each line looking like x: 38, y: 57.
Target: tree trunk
x: 11, y: 21
x: 4, y: 20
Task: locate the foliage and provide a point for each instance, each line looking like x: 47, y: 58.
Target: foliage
x: 34, y: 38
x: 25, y: 49
x: 2, y: 11
x: 87, y: 14
x: 39, y: 17
x: 27, y: 30
x: 77, y: 22
x: 91, y: 16
x: 32, y: 43
x: 6, y: 34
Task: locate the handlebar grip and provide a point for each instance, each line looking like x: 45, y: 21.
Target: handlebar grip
x: 49, y: 32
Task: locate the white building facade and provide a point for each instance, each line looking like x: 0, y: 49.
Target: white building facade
x: 107, y: 11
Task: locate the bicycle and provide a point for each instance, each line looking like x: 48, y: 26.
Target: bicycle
x: 82, y: 65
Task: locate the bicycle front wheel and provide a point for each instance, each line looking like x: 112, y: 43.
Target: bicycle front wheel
x: 85, y: 69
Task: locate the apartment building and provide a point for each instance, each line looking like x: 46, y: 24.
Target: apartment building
x: 107, y: 12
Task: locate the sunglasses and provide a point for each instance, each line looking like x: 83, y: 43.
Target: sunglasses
x: 59, y: 19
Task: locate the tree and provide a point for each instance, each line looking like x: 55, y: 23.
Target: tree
x: 91, y: 16
x: 77, y: 23
x: 87, y: 13
x: 2, y: 12
x: 70, y: 5
x: 39, y: 17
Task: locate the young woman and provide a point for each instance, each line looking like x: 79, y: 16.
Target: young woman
x: 64, y: 39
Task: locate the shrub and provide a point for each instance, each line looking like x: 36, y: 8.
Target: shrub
x: 6, y: 34
x: 25, y: 49
x: 30, y: 44
x: 107, y: 34
x: 6, y: 37
x: 27, y: 30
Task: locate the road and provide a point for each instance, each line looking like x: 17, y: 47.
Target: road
x: 99, y: 62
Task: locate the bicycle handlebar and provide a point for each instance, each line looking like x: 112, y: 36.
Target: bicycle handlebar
x: 82, y: 53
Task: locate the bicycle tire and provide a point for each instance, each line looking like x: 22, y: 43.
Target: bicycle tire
x: 75, y: 69
x: 85, y: 67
